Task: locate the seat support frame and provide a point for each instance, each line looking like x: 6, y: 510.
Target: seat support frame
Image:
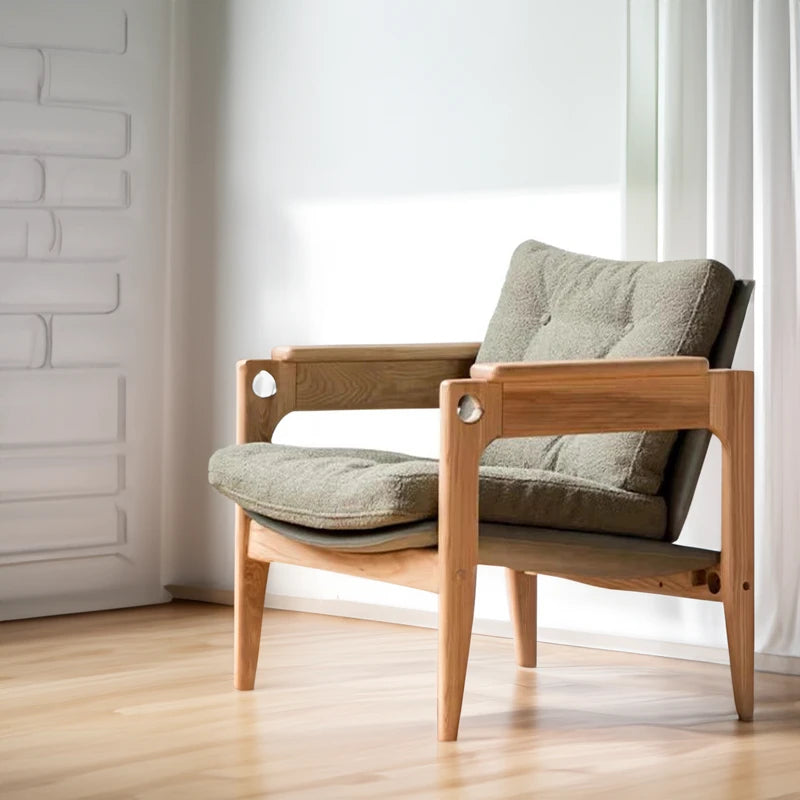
x: 512, y: 400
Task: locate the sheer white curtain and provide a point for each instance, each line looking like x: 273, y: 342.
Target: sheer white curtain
x: 729, y: 186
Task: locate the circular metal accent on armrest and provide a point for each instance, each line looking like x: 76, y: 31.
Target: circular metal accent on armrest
x: 469, y: 409
x: 264, y: 384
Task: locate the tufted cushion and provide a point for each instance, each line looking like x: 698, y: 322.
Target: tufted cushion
x: 559, y: 305
x: 339, y: 489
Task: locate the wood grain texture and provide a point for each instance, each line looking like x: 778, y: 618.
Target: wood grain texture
x: 520, y: 401
x: 732, y: 422
x: 591, y: 369
x: 522, y: 608
x: 340, y: 385
x: 415, y: 567
x: 135, y: 704
x: 257, y: 417
x: 461, y: 447
x: 587, y: 555
x: 250, y: 585
x: 604, y: 405
x: 692, y: 583
x: 459, y: 351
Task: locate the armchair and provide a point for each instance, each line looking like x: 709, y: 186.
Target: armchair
x: 419, y: 523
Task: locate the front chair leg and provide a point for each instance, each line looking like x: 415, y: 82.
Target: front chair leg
x: 456, y: 612
x: 522, y: 605
x: 470, y: 419
x: 732, y: 421
x: 250, y: 587
x: 739, y: 619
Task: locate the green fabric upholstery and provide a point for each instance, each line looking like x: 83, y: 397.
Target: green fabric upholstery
x: 340, y: 489
x: 557, y: 305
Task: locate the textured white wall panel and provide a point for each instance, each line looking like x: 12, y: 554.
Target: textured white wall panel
x: 97, y: 80
x: 88, y: 183
x: 23, y: 341
x: 41, y: 407
x: 21, y: 179
x: 20, y: 73
x: 84, y: 131
x: 81, y: 340
x: 58, y: 130
x: 59, y: 525
x: 92, y: 25
x: 64, y: 288
x: 28, y: 477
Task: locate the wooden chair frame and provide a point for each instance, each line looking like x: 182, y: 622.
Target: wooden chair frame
x: 514, y: 400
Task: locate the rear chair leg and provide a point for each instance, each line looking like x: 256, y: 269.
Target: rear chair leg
x: 522, y: 604
x: 248, y: 607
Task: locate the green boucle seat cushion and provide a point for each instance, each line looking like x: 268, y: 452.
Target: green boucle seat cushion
x: 342, y: 489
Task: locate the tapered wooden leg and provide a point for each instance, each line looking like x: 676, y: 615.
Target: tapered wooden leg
x: 739, y: 622
x: 456, y: 611
x: 732, y: 420
x: 462, y: 445
x: 522, y: 605
x: 248, y: 607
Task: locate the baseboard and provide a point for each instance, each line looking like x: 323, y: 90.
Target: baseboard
x: 81, y: 602
x: 765, y: 662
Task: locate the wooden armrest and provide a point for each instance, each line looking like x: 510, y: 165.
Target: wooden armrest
x: 600, y: 396
x: 460, y: 351
x: 600, y: 368
x: 346, y: 378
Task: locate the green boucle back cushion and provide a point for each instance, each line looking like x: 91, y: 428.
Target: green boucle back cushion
x: 556, y: 305
x: 341, y: 489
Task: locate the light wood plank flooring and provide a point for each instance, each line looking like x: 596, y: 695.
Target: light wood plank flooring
x: 138, y: 704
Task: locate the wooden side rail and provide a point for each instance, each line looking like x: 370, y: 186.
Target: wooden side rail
x: 600, y: 396
x: 350, y: 377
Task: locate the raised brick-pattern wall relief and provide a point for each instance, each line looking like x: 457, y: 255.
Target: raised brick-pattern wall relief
x: 65, y: 225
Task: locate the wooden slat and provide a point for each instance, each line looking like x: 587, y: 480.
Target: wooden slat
x: 460, y: 351
x: 692, y: 583
x: 416, y: 568
x: 338, y: 385
x: 589, y: 370
x: 587, y: 555
x: 565, y: 406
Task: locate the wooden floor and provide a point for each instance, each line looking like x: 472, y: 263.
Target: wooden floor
x: 138, y: 704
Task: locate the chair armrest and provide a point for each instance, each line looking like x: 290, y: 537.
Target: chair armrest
x: 458, y: 351
x: 592, y: 369
x: 600, y: 396
x: 338, y: 378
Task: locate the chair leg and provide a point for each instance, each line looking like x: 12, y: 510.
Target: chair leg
x: 731, y: 413
x: 463, y: 442
x: 522, y: 604
x: 456, y: 612
x: 248, y: 607
x: 739, y: 622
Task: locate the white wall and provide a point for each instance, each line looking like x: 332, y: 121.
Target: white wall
x: 361, y: 171
x: 83, y: 164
